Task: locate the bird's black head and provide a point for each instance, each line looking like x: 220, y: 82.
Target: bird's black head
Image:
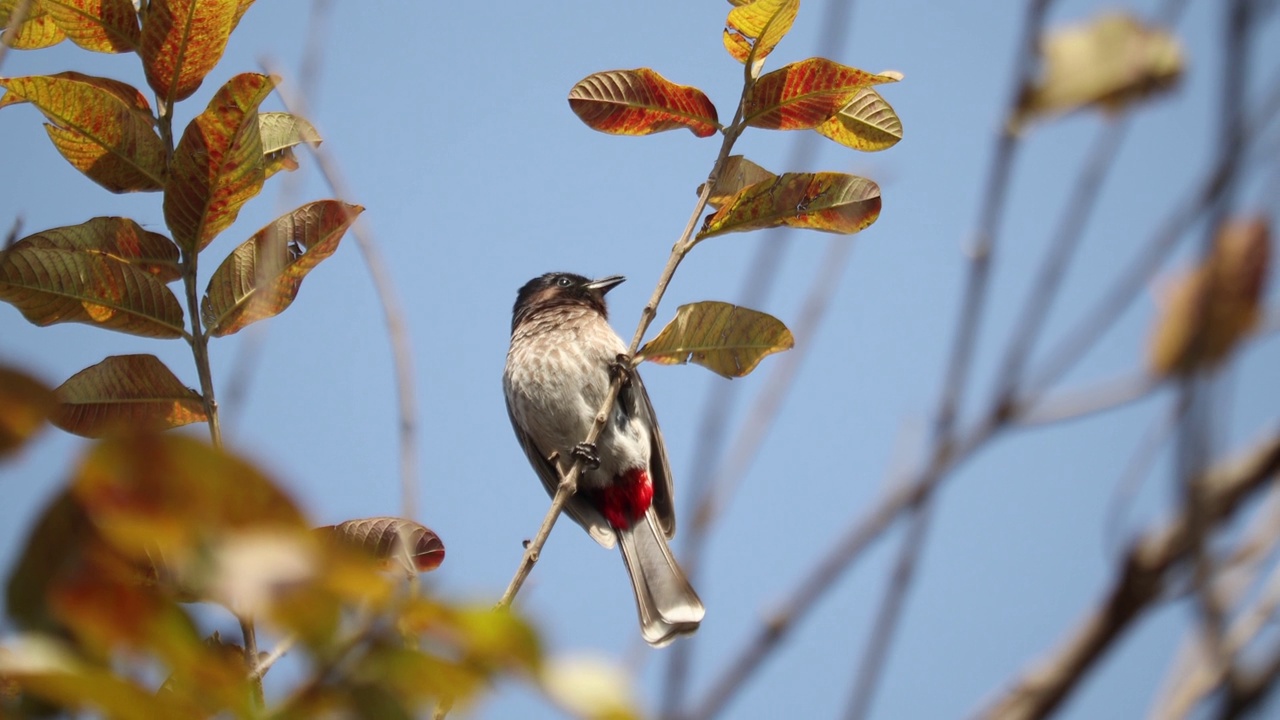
x: 558, y: 289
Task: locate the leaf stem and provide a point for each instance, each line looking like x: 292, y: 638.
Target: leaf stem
x: 569, y: 482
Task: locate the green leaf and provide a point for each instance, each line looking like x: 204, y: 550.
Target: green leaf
x: 726, y: 339
x: 261, y: 278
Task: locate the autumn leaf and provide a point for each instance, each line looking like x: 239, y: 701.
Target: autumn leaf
x: 182, y: 40
x: 218, y: 165
x: 1112, y: 62
x: 1208, y: 311
x: 753, y: 29
x: 52, y: 285
x: 804, y: 94
x: 36, y: 31
x: 384, y: 538
x: 867, y: 123
x: 103, y: 127
x: 135, y: 392
x: 115, y: 237
x: 727, y: 339
x: 109, y: 26
x: 261, y: 278
x: 738, y: 172
x: 641, y: 102
x: 830, y: 202
x: 25, y: 404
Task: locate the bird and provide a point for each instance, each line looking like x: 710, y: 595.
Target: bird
x: 562, y: 361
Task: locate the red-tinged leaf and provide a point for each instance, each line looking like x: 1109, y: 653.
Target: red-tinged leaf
x: 753, y: 29
x: 386, y: 538
x: 803, y: 95
x: 37, y: 29
x: 867, y: 123
x: 109, y: 26
x: 51, y: 286
x: 125, y: 392
x: 102, y: 127
x: 182, y: 40
x: 1109, y: 62
x: 726, y: 339
x: 218, y: 165
x: 115, y: 237
x: 641, y: 102
x: 737, y: 173
x: 25, y: 404
x: 261, y: 278
x: 830, y: 202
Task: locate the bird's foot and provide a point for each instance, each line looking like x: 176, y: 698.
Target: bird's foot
x: 588, y: 454
x: 621, y: 368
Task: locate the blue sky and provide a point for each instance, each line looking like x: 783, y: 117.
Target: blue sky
x: 450, y: 124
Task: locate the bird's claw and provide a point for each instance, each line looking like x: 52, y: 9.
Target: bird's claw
x: 588, y: 454
x: 621, y: 368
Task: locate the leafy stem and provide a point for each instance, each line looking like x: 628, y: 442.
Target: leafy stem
x: 569, y: 482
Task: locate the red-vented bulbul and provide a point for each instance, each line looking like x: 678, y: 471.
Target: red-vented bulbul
x: 559, y: 368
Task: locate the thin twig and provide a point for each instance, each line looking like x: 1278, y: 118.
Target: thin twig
x: 965, y: 341
x: 251, y: 658
x: 1139, y: 582
x: 1076, y: 404
x: 277, y: 652
x: 569, y: 483
x: 393, y: 316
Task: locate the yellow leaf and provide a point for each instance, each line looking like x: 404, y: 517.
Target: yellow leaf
x: 1109, y: 62
x: 830, y: 202
x: 867, y: 123
x: 754, y: 28
x: 727, y: 339
x: 25, y: 404
x: 737, y: 173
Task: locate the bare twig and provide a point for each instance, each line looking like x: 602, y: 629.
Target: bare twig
x: 1077, y: 404
x: 393, y: 315
x: 972, y: 305
x: 277, y: 652
x: 1139, y: 583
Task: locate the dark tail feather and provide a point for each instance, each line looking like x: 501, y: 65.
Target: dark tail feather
x: 667, y: 604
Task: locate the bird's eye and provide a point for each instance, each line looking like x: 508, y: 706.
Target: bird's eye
x: 563, y: 281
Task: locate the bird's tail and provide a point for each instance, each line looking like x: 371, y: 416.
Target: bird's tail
x: 667, y: 604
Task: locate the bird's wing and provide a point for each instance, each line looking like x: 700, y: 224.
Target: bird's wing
x: 659, y: 467
x: 582, y: 513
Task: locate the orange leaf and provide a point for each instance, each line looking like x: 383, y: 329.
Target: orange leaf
x: 831, y: 202
x: 115, y: 237
x: 867, y: 123
x: 753, y: 29
x: 134, y: 392
x: 641, y: 102
x: 737, y: 173
x: 1208, y: 311
x: 103, y: 127
x: 218, y: 165
x: 384, y: 538
x: 37, y: 29
x: 50, y: 285
x: 726, y: 339
x: 182, y: 40
x: 261, y: 278
x: 25, y: 404
x: 100, y: 25
x: 803, y: 95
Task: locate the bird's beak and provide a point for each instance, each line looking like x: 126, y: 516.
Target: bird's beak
x: 604, y: 285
